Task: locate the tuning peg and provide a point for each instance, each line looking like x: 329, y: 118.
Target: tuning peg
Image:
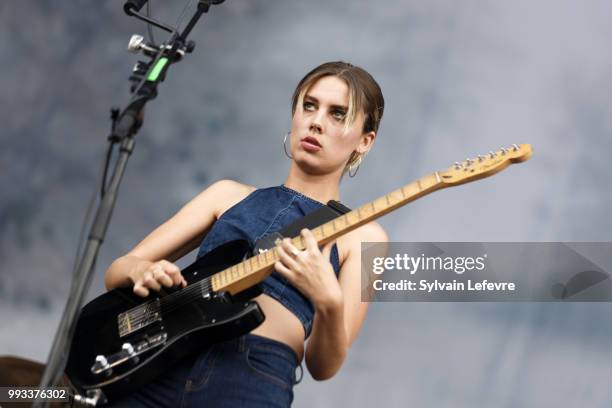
x: 503, y: 150
x: 468, y: 161
x: 515, y: 147
x: 457, y: 165
x: 480, y: 158
x: 492, y: 154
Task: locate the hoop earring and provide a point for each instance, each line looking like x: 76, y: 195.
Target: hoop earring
x: 285, y: 145
x: 352, y: 173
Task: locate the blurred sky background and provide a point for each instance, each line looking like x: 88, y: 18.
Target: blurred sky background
x: 459, y: 78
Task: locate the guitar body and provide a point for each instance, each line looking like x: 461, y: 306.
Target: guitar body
x: 159, y: 330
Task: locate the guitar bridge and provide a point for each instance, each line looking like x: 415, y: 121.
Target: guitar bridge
x: 141, y: 316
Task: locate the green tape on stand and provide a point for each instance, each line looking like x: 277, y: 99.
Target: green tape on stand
x: 158, y: 69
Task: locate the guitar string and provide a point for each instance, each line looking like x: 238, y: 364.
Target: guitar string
x: 191, y: 294
x: 177, y: 299
x: 168, y: 303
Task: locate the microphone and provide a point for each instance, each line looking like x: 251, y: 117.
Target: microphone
x: 132, y: 6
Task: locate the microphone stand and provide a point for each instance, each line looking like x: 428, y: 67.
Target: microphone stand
x: 145, y: 79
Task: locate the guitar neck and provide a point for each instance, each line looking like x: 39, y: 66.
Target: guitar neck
x: 255, y: 269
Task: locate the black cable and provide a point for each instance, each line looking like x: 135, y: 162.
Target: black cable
x: 100, y: 186
x: 149, y: 26
x: 183, y: 14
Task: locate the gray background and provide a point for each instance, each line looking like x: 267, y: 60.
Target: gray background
x: 459, y: 78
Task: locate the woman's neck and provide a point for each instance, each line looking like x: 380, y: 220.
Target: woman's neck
x: 318, y: 187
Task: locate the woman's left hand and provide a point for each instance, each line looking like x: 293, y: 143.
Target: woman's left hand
x: 310, y: 270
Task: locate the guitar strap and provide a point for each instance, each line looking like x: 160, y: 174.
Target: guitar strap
x: 326, y: 213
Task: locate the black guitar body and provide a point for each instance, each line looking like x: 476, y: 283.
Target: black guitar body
x: 123, y: 341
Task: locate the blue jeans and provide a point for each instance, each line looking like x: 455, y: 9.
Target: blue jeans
x: 249, y: 371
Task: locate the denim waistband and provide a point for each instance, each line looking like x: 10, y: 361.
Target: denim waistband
x: 243, y: 342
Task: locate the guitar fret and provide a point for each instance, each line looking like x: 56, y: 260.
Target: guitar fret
x: 275, y: 256
x: 350, y: 215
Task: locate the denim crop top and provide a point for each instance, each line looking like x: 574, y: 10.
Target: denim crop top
x: 262, y: 212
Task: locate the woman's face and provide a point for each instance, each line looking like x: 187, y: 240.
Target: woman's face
x: 319, y: 143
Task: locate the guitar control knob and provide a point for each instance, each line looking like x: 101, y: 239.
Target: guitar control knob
x: 102, y: 361
x: 127, y: 347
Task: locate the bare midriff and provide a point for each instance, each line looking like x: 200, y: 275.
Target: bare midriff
x: 280, y: 324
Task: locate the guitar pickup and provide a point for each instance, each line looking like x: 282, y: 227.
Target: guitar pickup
x: 141, y: 316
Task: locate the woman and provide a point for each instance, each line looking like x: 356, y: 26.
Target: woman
x: 313, y: 293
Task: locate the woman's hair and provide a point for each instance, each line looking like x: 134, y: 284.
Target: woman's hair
x: 364, y: 95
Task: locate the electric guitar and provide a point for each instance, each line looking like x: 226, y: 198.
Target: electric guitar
x: 123, y: 341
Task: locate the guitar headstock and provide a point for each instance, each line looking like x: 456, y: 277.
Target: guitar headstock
x: 485, y: 165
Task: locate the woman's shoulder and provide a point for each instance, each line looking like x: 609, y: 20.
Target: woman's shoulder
x: 231, y: 187
x: 226, y: 193
x: 370, y: 232
x: 351, y: 242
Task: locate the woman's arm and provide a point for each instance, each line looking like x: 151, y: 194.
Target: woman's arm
x: 339, y: 312
x: 172, y: 240
x: 337, y: 324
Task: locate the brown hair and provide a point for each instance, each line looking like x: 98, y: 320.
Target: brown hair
x: 364, y: 94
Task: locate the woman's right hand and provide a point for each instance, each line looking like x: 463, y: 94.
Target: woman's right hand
x: 154, y: 276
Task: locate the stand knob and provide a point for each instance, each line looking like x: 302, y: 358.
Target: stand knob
x: 137, y: 43
x: 134, y: 44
